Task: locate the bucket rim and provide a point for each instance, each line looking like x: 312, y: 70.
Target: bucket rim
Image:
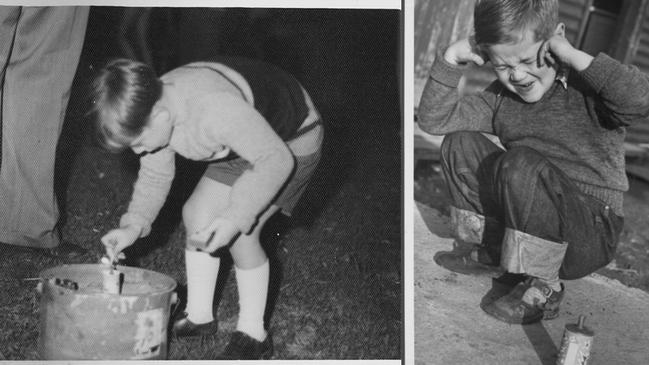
x: 170, y: 284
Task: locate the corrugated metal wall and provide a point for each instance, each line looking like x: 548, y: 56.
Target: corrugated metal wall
x: 571, y: 12
x: 438, y: 23
x: 641, y: 58
x: 639, y: 133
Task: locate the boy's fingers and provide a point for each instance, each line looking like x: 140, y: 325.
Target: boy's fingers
x: 210, y: 243
x: 543, y: 52
x: 113, y: 248
x: 550, y: 59
x: 215, y: 242
x: 477, y: 59
x: 110, y: 249
x: 110, y: 252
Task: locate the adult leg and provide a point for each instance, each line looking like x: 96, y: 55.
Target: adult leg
x: 8, y: 23
x: 36, y: 89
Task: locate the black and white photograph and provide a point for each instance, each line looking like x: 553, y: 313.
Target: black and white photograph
x: 201, y: 182
x: 530, y: 182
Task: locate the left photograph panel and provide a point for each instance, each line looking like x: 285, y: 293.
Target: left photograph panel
x: 200, y: 183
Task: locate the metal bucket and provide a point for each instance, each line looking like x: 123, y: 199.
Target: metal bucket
x: 79, y: 321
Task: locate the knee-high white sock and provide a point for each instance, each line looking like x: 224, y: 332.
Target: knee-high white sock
x: 252, y: 286
x: 202, y: 271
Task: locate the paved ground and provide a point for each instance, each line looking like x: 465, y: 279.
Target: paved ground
x: 450, y: 327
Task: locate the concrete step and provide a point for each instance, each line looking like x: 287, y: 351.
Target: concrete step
x: 450, y: 327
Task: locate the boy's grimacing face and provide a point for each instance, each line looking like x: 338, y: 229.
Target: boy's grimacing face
x: 517, y: 67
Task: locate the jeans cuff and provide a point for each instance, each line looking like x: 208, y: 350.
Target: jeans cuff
x: 526, y: 254
x: 467, y: 226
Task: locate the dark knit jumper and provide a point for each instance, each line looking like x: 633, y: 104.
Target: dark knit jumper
x: 278, y: 95
x: 580, y: 129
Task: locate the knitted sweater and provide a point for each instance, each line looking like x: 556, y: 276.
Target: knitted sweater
x: 214, y: 117
x: 580, y: 128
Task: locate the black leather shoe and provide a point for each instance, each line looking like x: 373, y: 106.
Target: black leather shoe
x: 183, y: 327
x: 463, y: 263
x: 244, y: 347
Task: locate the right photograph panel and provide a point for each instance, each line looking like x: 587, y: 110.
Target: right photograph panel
x: 531, y: 181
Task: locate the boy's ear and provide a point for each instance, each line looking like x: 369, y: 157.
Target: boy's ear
x: 560, y: 30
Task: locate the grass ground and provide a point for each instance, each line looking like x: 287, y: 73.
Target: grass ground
x: 336, y: 278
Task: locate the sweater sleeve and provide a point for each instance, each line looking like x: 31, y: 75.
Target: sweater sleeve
x: 239, y: 126
x: 443, y: 110
x: 623, y: 89
x: 150, y: 191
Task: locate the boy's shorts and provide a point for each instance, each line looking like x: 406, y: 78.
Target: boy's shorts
x: 227, y: 172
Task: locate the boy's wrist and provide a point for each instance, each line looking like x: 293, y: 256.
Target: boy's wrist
x: 580, y: 60
x: 136, y: 230
x: 599, y: 72
x: 445, y: 72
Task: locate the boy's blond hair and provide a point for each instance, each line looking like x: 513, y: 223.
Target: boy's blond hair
x: 504, y: 21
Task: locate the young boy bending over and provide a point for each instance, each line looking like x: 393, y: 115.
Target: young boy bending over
x: 262, y: 135
x: 549, y: 205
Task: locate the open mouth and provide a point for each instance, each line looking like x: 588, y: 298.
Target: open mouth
x: 524, y: 87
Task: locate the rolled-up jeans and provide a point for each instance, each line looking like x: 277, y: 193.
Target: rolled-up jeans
x: 522, y: 208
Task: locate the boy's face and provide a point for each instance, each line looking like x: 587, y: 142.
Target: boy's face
x: 516, y: 66
x: 155, y: 135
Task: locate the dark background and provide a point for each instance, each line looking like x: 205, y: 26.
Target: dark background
x: 336, y: 266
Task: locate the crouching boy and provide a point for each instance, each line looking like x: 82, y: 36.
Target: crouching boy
x: 549, y: 205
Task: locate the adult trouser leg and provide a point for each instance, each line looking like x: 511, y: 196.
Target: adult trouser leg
x: 38, y: 78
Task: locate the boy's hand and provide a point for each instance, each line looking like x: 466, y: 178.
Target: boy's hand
x: 218, y: 234
x: 557, y: 50
x: 463, y: 52
x: 118, y: 239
